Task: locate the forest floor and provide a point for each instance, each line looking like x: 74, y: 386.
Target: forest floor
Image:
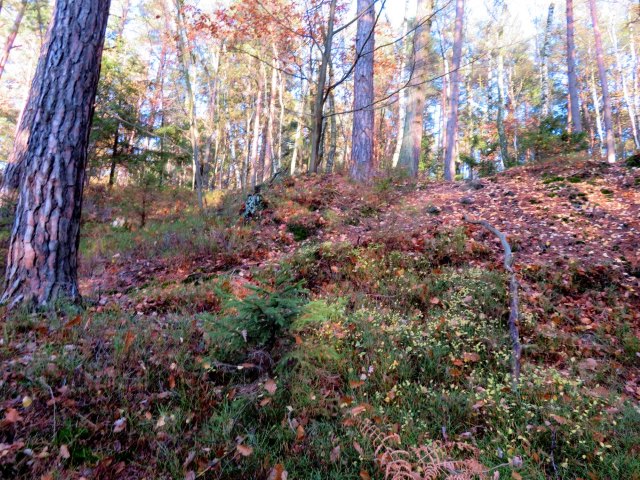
x: 346, y: 332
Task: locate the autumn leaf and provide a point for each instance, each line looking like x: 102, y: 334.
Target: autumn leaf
x: 244, y: 450
x: 73, y: 322
x: 119, y: 425
x: 434, y: 301
x: 559, y: 419
x: 128, y: 340
x: 12, y: 416
x: 270, y: 386
x: 278, y: 473
x: 335, y: 454
x: 64, y: 452
x: 26, y: 401
x: 300, y: 433
x: 470, y: 357
x: 355, y: 411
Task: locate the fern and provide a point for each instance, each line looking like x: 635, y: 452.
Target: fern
x: 426, y: 462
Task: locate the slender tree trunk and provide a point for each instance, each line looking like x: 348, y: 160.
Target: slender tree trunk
x: 596, y: 106
x: 363, y: 94
x: 333, y: 138
x: 606, y: 100
x: 417, y: 93
x: 253, y: 163
x: 452, y: 123
x: 318, y: 107
x: 625, y: 89
x: 43, y: 250
x: 402, y: 96
x: 114, y: 156
x: 574, y: 99
x: 13, y: 33
x: 544, y: 58
x: 269, y: 154
x: 187, y: 63
x: 502, y: 135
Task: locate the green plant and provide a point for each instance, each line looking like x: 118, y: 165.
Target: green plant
x: 259, y: 318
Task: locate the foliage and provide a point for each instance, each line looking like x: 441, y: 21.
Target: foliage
x: 551, y: 138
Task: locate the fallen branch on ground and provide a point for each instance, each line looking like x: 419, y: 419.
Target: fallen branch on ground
x: 513, y: 294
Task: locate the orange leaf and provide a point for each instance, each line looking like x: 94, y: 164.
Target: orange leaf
x: 128, y: 340
x: 470, y: 357
x: 434, y: 301
x: 364, y: 475
x: 300, y: 433
x: 355, y: 411
x: 244, y: 450
x: 277, y: 473
x: 356, y: 383
x: 73, y: 322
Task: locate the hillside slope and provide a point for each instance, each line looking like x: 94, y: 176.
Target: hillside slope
x: 340, y: 316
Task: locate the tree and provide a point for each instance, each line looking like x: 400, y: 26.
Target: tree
x: 362, y: 135
x: 452, y: 122
x: 606, y: 100
x: 318, y: 117
x: 574, y: 100
x: 13, y: 33
x: 545, y: 97
x: 413, y: 120
x: 43, y: 249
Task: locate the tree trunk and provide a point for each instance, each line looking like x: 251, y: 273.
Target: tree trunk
x: 625, y: 89
x: 43, y: 250
x: 333, y: 138
x: 417, y: 93
x: 255, y: 142
x: 318, y: 107
x: 502, y: 135
x: 363, y: 94
x: 402, y: 96
x: 574, y: 99
x: 187, y: 63
x: 114, y: 156
x: 13, y: 33
x: 270, y: 157
x: 545, y: 96
x: 606, y: 101
x: 452, y: 123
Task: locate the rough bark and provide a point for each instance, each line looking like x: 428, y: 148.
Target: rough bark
x: 452, y: 122
x: 417, y: 94
x: 318, y: 107
x: 363, y: 95
x: 606, y: 100
x: 43, y: 250
x: 13, y: 33
x: 574, y: 99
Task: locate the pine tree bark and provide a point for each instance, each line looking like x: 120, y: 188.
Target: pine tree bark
x: 13, y: 33
x: 574, y: 99
x: 402, y: 96
x: 606, y: 100
x: 413, y: 121
x: 452, y: 122
x: 43, y: 250
x: 363, y: 94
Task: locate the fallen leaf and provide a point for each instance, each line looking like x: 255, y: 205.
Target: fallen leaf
x: 559, y: 419
x: 191, y: 475
x: 300, y: 433
x: 12, y: 416
x: 358, y: 448
x: 128, y: 340
x: 278, y: 473
x: 119, y: 425
x: 470, y: 357
x: 364, y: 475
x: 355, y: 411
x: 26, y: 401
x: 335, y: 454
x: 73, y: 322
x: 64, y: 452
x: 244, y: 450
x: 270, y: 386
x: 434, y: 301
